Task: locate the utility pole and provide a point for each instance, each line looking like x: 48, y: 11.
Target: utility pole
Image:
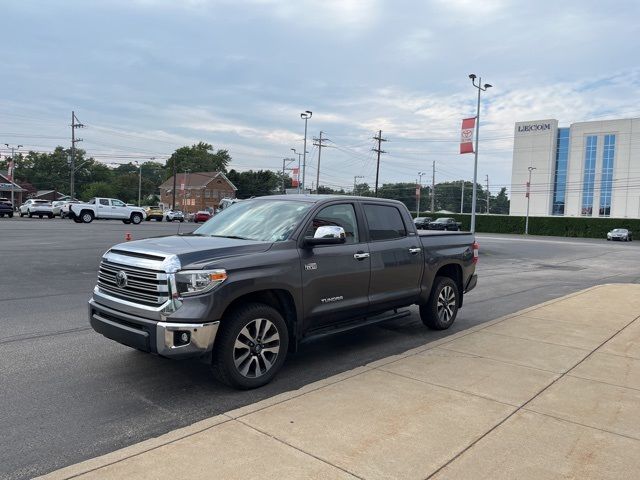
x: 526, y: 224
x: 175, y: 175
x: 306, y: 115
x: 418, y: 191
x: 284, y: 165
x: 487, y: 194
x: 433, y: 188
x: 378, y: 151
x: 481, y: 89
x: 355, y: 179
x: 75, y: 123
x: 299, y: 157
x: 462, y: 198
x: 12, y: 169
x: 319, y: 145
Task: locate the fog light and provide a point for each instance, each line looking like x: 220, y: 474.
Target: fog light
x: 181, y: 338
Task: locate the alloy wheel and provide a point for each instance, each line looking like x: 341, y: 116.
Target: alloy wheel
x: 256, y: 348
x: 446, y: 304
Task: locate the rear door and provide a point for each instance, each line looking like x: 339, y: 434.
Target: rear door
x: 335, y: 278
x: 396, y: 258
x: 103, y: 208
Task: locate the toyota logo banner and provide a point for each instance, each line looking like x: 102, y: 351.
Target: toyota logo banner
x: 466, y: 136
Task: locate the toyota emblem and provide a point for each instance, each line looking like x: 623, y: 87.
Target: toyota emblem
x: 121, y: 279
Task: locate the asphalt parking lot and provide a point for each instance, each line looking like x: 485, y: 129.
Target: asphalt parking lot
x: 69, y: 394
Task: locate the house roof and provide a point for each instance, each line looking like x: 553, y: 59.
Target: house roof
x: 15, y: 188
x: 195, y: 180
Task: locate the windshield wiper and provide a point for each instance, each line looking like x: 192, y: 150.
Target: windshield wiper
x: 235, y: 237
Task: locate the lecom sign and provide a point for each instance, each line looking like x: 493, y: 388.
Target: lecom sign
x: 535, y: 127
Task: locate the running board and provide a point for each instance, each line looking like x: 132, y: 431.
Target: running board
x: 344, y: 327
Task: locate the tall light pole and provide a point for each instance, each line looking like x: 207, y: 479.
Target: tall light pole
x: 526, y: 224
x: 12, y: 170
x: 481, y: 88
x: 355, y: 180
x: 306, y: 115
x: 139, y: 181
x: 284, y: 165
x: 418, y: 191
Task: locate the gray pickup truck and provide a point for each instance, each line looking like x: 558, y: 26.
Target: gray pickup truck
x: 267, y: 274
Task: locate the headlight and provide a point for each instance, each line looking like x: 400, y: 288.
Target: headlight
x: 193, y: 282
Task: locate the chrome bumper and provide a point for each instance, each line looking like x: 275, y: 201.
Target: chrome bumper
x: 162, y: 338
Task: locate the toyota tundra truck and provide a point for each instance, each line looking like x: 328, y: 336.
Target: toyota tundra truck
x: 260, y: 279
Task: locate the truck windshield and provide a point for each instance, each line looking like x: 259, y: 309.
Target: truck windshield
x: 260, y: 220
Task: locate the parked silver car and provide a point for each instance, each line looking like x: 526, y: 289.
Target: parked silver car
x: 621, y: 234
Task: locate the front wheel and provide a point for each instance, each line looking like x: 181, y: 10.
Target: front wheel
x: 251, y: 346
x: 136, y: 218
x: 441, y: 310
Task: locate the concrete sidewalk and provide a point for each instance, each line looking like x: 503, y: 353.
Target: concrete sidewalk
x: 552, y: 391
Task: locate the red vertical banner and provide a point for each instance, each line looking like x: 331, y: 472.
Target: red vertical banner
x: 295, y: 182
x: 466, y: 135
x: 526, y: 195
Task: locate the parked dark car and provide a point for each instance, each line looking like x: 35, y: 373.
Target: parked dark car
x: 269, y: 274
x: 621, y: 234
x: 449, y: 224
x: 422, y: 223
x: 201, y: 216
x: 6, y: 207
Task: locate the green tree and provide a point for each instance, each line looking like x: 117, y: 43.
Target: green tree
x: 500, y: 203
x: 198, y: 158
x: 98, y: 189
x: 255, y: 183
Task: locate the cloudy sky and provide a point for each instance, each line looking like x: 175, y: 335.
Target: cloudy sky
x: 148, y: 76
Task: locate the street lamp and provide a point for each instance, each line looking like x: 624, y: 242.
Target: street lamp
x: 481, y: 88
x: 306, y: 115
x: 299, y: 156
x: 139, y: 181
x: 11, y: 170
x: 418, y: 191
x: 526, y: 224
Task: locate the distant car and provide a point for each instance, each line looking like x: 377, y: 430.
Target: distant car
x: 621, y: 234
x: 172, y: 215
x: 154, y: 213
x: 422, y: 223
x: 445, y: 224
x: 201, y: 216
x: 40, y: 208
x: 6, y: 207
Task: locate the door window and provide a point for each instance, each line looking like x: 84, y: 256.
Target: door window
x: 342, y: 215
x: 104, y: 201
x: 385, y: 223
x: 117, y: 203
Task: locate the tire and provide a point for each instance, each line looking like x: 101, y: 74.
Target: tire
x: 241, y: 367
x: 126, y: 222
x: 86, y: 216
x: 21, y: 214
x: 50, y: 215
x: 29, y: 214
x: 10, y: 215
x: 77, y: 220
x: 182, y: 220
x: 608, y: 239
x: 1, y: 215
x: 441, y: 310
x: 136, y: 218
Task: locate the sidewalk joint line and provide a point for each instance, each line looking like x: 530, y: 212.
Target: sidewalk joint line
x: 536, y: 340
x: 524, y: 405
x: 298, y: 449
x: 510, y: 363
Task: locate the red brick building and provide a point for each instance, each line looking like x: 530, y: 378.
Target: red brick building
x: 197, y: 191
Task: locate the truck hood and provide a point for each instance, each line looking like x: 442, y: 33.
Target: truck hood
x: 194, y: 251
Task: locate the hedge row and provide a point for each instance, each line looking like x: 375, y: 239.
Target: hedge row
x: 552, y: 226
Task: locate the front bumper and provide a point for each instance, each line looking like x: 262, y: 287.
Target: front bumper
x: 162, y: 338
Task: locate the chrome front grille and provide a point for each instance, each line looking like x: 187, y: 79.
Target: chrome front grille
x: 143, y: 286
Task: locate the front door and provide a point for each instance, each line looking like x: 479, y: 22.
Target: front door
x: 335, y: 278
x: 119, y: 209
x: 396, y: 258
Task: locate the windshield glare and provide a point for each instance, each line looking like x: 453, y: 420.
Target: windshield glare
x: 260, y: 220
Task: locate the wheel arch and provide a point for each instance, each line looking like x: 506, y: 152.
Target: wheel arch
x: 454, y: 272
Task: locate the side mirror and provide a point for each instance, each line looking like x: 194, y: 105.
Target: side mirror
x: 327, y: 235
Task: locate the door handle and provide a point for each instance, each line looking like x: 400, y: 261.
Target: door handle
x: 415, y: 250
x: 360, y: 256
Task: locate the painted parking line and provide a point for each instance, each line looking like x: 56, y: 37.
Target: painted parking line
x: 533, y: 240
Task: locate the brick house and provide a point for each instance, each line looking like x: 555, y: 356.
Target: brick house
x: 5, y: 190
x: 201, y: 191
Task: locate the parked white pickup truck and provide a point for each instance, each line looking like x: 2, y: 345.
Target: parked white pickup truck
x: 105, y: 209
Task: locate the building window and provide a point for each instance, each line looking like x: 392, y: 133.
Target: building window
x: 207, y: 194
x: 560, y: 182
x: 607, y: 175
x: 588, y: 180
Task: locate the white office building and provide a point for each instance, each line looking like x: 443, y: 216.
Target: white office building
x: 588, y: 169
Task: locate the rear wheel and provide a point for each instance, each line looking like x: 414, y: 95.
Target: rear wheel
x: 29, y: 214
x: 251, y: 346
x: 50, y: 215
x: 441, y: 310
x: 86, y: 216
x: 11, y: 215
